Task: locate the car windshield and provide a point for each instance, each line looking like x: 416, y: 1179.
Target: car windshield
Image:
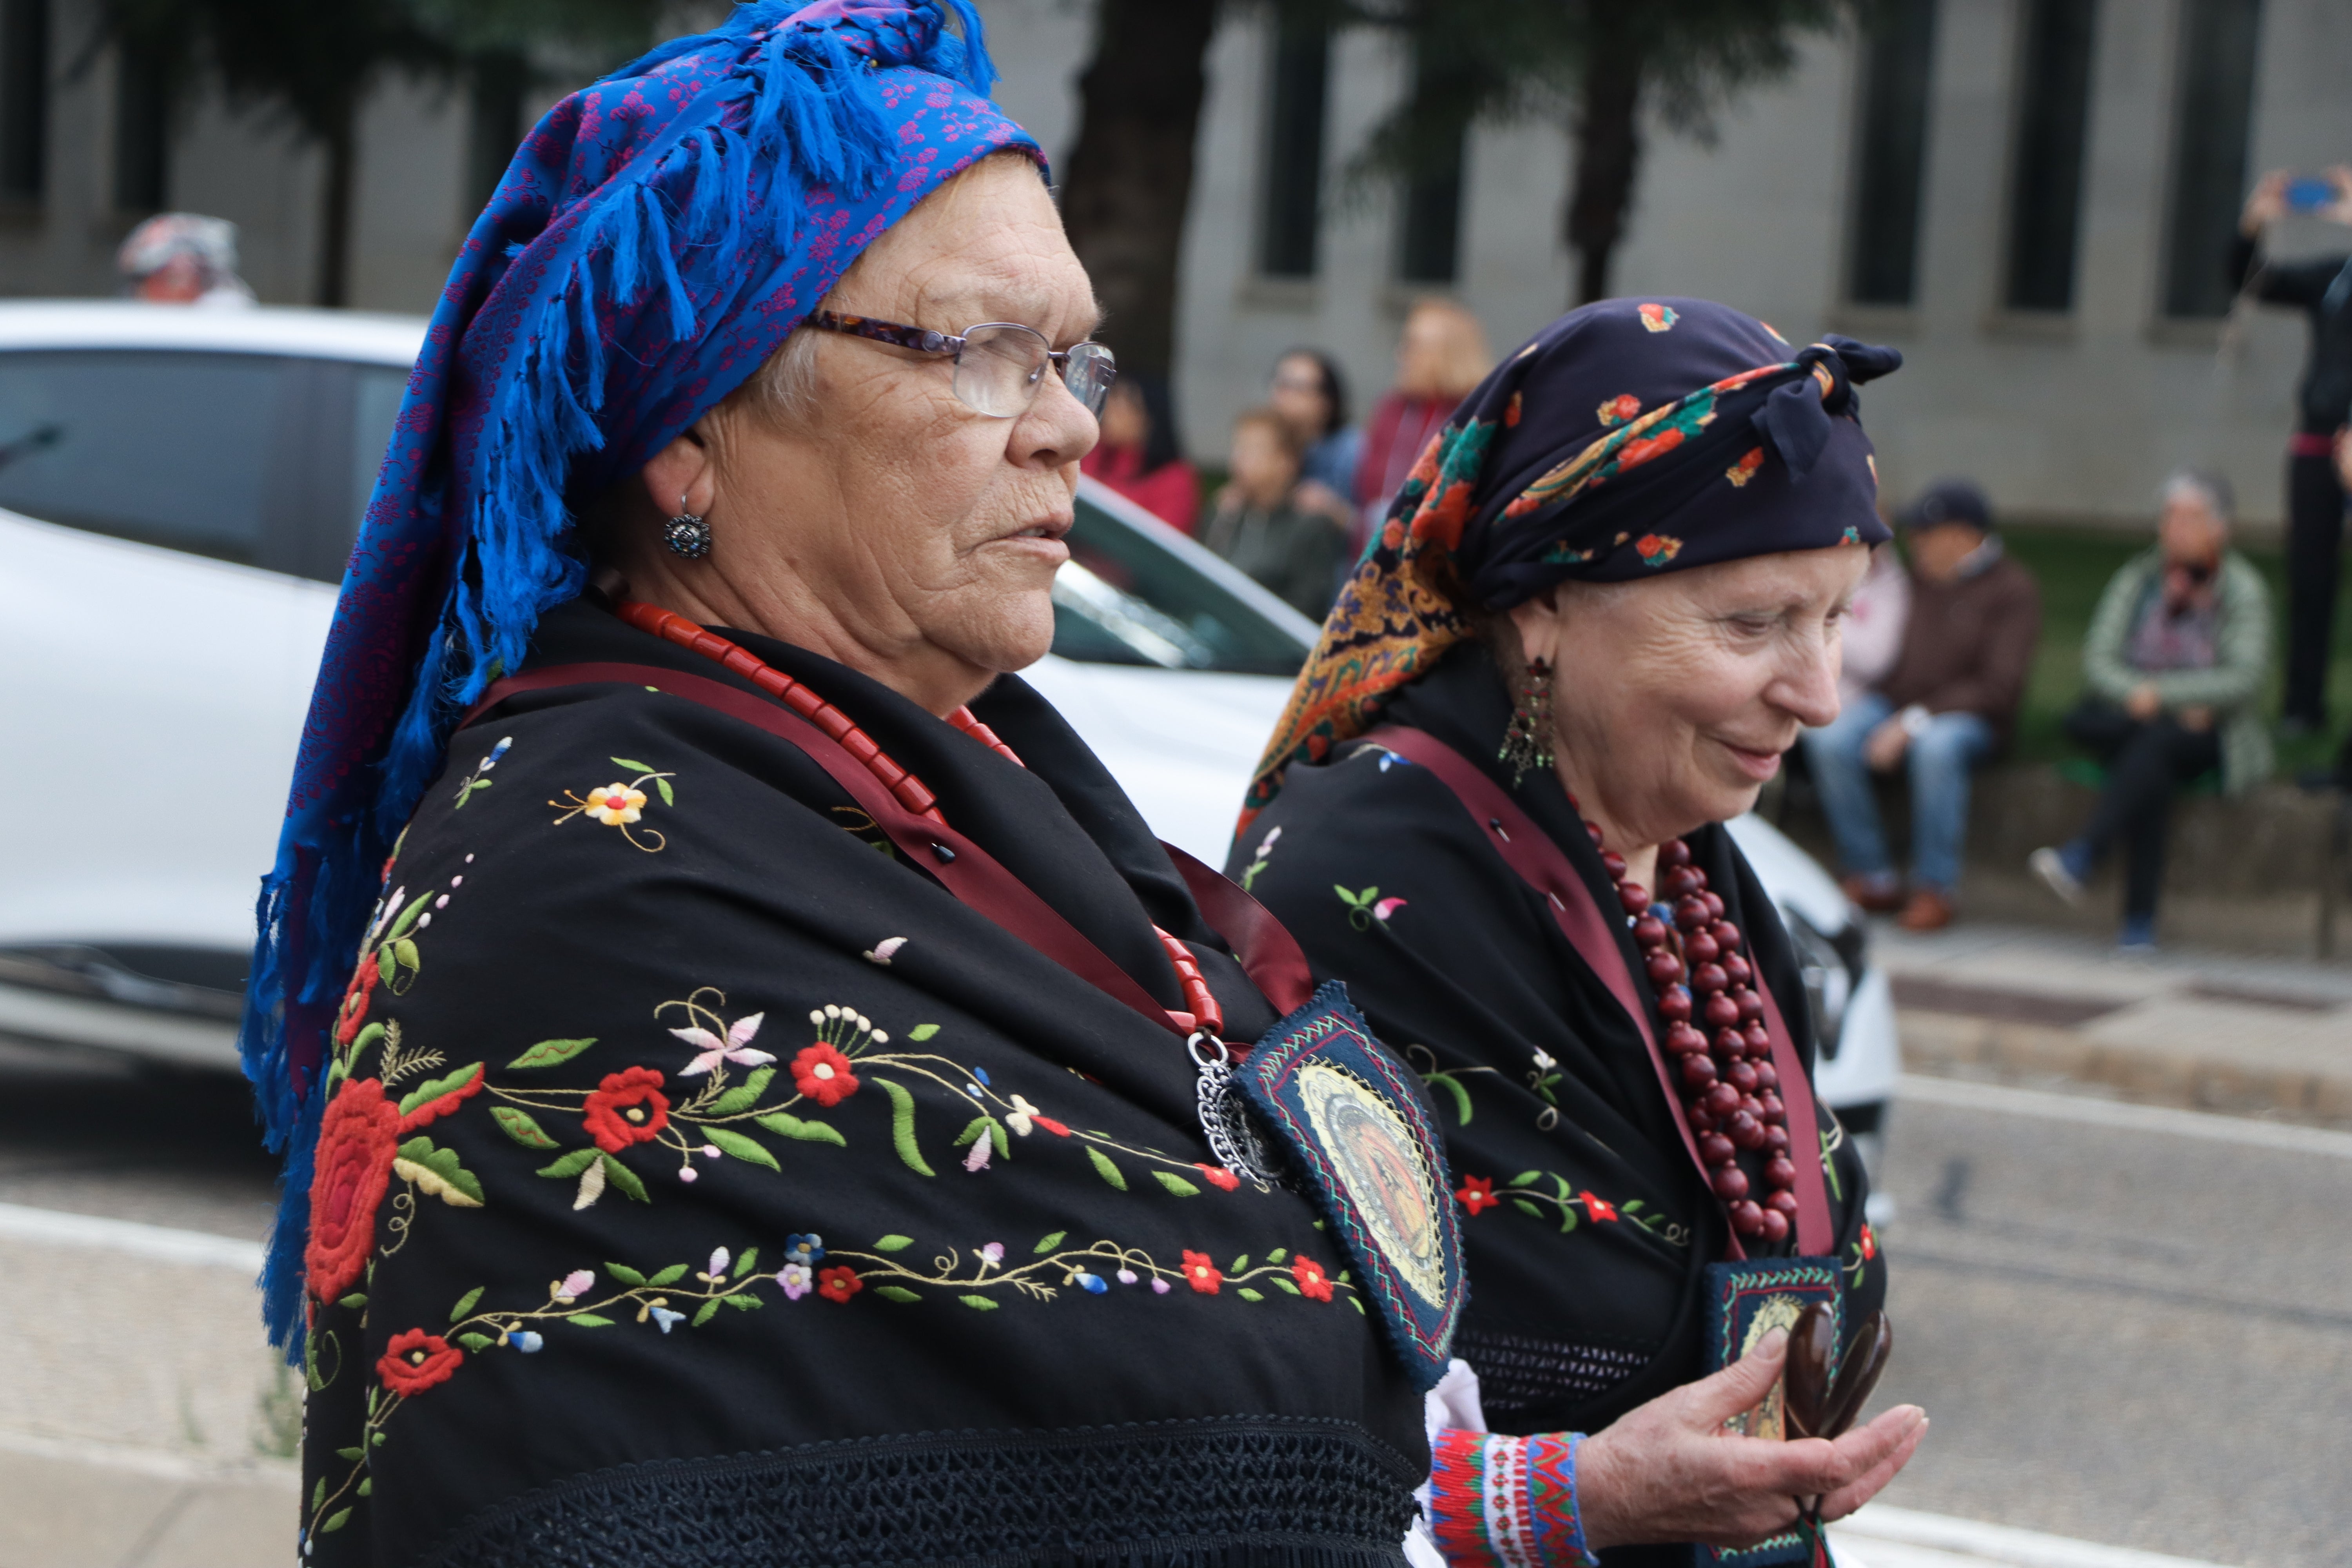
x: 1125, y: 597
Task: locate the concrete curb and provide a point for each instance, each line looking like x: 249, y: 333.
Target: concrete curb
x: 1955, y: 1045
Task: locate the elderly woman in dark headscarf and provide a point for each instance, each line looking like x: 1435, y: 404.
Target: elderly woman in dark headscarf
x: 746, y: 1105
x: 1603, y: 606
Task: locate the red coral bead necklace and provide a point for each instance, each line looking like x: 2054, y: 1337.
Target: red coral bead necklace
x: 1693, y: 962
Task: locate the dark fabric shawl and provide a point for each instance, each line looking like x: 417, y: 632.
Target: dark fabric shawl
x: 1470, y: 978
x: 1034, y: 1406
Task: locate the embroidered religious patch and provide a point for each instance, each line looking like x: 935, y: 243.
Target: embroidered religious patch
x: 1362, y: 1144
x: 1746, y: 1300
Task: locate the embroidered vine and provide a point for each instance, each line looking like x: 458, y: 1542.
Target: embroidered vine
x: 1367, y: 909
x: 479, y: 779
x: 622, y: 805
x: 1257, y: 859
x: 1544, y: 1195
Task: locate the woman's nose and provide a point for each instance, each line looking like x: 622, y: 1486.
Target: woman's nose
x: 1809, y: 690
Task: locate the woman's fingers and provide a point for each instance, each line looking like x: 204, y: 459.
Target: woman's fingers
x: 1852, y: 1496
x: 1713, y: 1400
x: 1813, y: 1467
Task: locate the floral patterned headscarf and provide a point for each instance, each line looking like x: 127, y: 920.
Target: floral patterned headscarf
x: 1588, y: 454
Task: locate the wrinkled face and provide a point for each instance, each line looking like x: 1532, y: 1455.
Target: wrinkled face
x: 887, y: 524
x: 1673, y: 696
x: 2191, y: 533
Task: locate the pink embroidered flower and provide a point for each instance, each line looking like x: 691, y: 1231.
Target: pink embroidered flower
x: 1477, y: 1194
x: 1597, y: 1207
x: 1385, y: 908
x: 574, y: 1285
x: 417, y: 1361
x: 628, y: 1107
x: 1310, y: 1278
x: 822, y: 1074
x: 1203, y: 1275
x: 736, y: 1047
x: 797, y: 1279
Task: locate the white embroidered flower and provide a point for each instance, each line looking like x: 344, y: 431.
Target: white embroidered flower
x: 616, y: 804
x: 797, y: 1279
x: 1024, y: 1115
x: 736, y: 1047
x: 574, y: 1285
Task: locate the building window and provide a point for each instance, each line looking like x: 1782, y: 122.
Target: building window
x: 2212, y: 108
x: 2046, y: 181
x: 1291, y: 224
x: 24, y: 97
x: 143, y: 131
x: 494, y: 125
x: 1429, y: 243
x: 1898, y: 69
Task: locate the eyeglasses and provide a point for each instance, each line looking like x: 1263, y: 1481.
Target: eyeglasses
x: 999, y: 365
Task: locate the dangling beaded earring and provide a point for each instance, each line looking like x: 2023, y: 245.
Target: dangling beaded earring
x: 686, y: 534
x: 1526, y: 744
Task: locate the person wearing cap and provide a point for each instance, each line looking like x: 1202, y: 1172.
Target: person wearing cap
x: 1950, y: 702
x: 183, y: 258
x: 2174, y: 665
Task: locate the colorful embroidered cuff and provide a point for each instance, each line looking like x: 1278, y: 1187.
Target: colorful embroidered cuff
x: 1507, y: 1502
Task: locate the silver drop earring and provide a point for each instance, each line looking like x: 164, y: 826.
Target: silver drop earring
x: 686, y: 534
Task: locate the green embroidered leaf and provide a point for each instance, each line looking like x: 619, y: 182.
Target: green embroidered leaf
x: 1358, y: 1302
x: 437, y: 1172
x: 743, y: 1303
x: 633, y: 767
x: 318, y: 1492
x: 787, y: 1126
x: 621, y: 1176
x: 1049, y: 1243
x: 336, y: 1521
x: 669, y: 1276
x: 663, y: 785
x: 1278, y: 1254
x: 1003, y: 1140
x: 893, y: 1244
x: 356, y: 1299
x: 1461, y: 1095
x: 1342, y: 1276
x: 1351, y: 899
x: 465, y: 1303
x: 1632, y: 1205
x: 1246, y: 1294
x: 624, y: 1274
x: 406, y: 922
x: 406, y: 949
x: 377, y: 1439
x: 477, y: 1343
x: 902, y: 1126
x: 742, y: 1146
x: 1526, y: 1207
x: 978, y: 1303
x: 1176, y: 1184
x: 353, y: 1454
x: 549, y: 1053
x: 432, y: 1089
x: 387, y: 963
x: 895, y: 1293
x: 519, y: 1125
x: 743, y: 1264
x: 310, y: 1361
x: 572, y: 1164
x: 1239, y: 1265
x: 970, y: 1134
x: 924, y: 1032
x: 1283, y: 1284
x: 1105, y: 1170
x: 590, y: 1320
x: 367, y: 1486
x: 1525, y: 1177
x: 1566, y: 1220
x: 704, y: 1313
x: 744, y: 1095
x: 367, y: 1039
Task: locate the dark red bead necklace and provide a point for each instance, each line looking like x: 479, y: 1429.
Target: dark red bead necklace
x: 1717, y: 1044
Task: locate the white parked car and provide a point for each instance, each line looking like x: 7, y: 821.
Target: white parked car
x: 178, y: 491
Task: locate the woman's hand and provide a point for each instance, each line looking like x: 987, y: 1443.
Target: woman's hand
x: 1668, y: 1470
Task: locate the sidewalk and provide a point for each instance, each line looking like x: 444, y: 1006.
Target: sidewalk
x: 2208, y: 1030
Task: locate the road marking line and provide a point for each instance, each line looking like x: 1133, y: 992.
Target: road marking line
x: 19, y: 1222
x: 1968, y: 1539
x: 1970, y: 1095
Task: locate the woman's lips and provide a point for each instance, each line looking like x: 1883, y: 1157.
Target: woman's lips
x: 1758, y: 765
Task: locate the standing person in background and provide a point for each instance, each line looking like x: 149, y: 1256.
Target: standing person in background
x: 2321, y: 286
x: 183, y: 258
x: 2175, y: 662
x: 1949, y: 701
x: 1140, y: 456
x: 1261, y: 527
x: 1441, y: 357
x: 1872, y: 638
x: 1312, y: 398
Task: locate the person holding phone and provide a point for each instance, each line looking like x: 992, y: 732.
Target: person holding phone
x: 2320, y: 286
x: 2175, y: 662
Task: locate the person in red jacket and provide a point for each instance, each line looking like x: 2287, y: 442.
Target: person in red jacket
x: 1441, y: 356
x: 1140, y: 456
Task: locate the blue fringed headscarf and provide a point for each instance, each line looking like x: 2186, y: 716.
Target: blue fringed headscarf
x: 658, y: 236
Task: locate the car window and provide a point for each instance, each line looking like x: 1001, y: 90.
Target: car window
x: 1125, y: 597
x: 169, y: 449
x: 376, y: 404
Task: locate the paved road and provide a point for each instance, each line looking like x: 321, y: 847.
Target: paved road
x: 2123, y: 1336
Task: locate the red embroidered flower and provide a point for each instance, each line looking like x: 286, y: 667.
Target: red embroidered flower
x: 416, y: 1361
x: 839, y: 1284
x: 1224, y: 1180
x: 355, y: 1000
x: 822, y: 1074
x: 1203, y: 1275
x: 1868, y: 1245
x: 1311, y: 1279
x: 442, y: 1105
x: 1641, y: 448
x: 1620, y: 408
x: 1477, y: 1194
x: 357, y: 1138
x: 1741, y: 472
x: 1511, y: 413
x: 627, y: 1107
x: 1597, y: 1207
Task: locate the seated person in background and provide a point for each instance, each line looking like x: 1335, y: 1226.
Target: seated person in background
x: 2175, y: 663
x: 1872, y: 638
x: 1139, y: 454
x: 1259, y: 525
x: 1950, y: 699
x: 1310, y: 394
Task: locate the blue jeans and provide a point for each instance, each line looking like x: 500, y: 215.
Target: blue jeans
x: 1939, y: 758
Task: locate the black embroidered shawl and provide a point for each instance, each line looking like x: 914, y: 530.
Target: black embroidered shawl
x: 704, y: 1186
x: 1587, y: 1228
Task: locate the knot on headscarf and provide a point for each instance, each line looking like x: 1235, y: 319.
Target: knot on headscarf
x: 1628, y: 437
x: 658, y: 236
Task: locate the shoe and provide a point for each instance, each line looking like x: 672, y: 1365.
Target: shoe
x: 1879, y: 894
x: 1926, y: 911
x: 2138, y: 935
x: 2049, y: 865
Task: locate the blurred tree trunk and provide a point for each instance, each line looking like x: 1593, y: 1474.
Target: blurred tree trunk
x: 1129, y: 177
x: 1608, y: 145
x: 340, y: 146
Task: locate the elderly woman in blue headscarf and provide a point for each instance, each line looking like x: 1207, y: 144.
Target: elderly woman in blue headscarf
x: 753, y: 1085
